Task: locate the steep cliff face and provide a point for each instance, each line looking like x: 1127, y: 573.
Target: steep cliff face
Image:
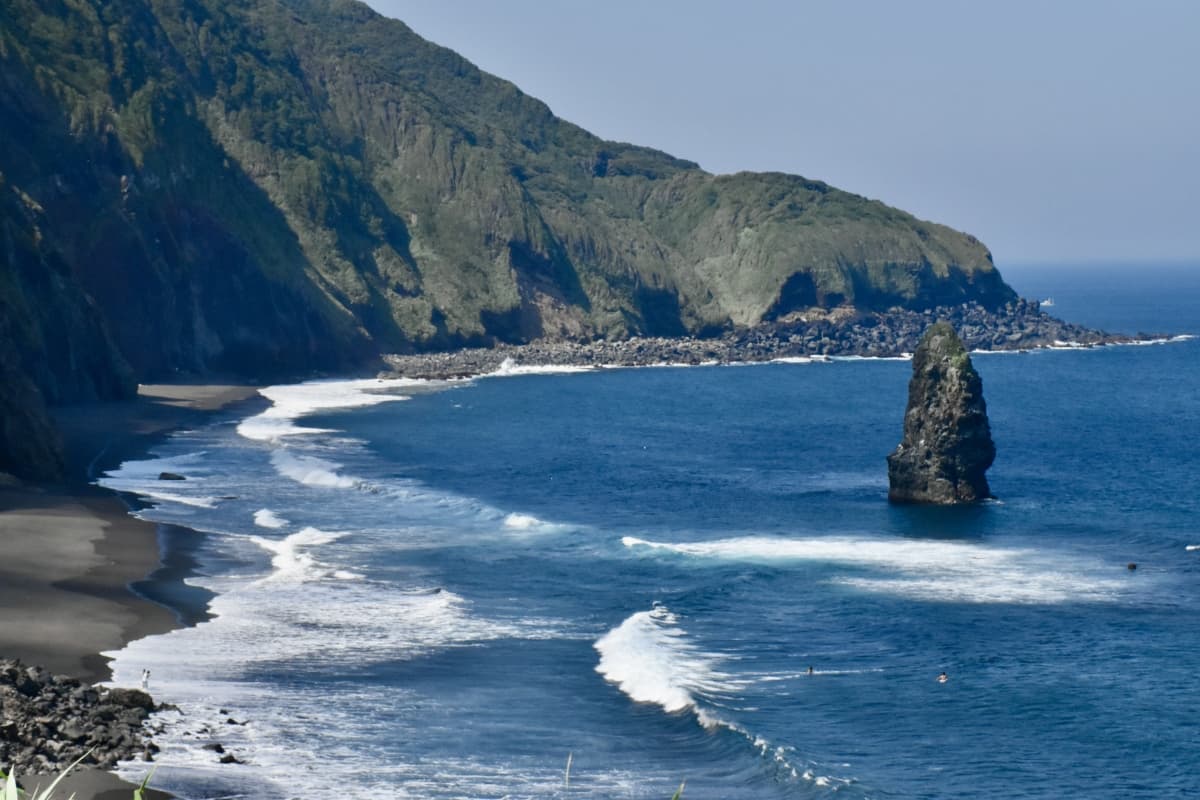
x: 276, y: 186
x: 947, y: 445
x: 54, y: 346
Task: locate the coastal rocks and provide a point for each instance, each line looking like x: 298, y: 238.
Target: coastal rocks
x: 48, y: 721
x: 947, y: 445
x: 1018, y: 325
x: 171, y: 476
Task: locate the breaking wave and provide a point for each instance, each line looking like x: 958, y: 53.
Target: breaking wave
x: 311, y: 470
x: 924, y: 569
x: 293, y: 401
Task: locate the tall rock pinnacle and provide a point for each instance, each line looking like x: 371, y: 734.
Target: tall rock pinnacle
x: 947, y: 445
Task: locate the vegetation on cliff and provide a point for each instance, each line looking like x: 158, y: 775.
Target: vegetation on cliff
x: 275, y: 186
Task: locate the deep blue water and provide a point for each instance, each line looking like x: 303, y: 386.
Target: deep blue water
x: 445, y: 596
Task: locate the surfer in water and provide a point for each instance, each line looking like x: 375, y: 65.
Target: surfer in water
x: 942, y: 678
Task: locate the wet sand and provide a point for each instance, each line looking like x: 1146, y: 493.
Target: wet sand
x: 71, y: 551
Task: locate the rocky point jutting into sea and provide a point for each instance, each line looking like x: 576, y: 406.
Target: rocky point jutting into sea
x: 1018, y: 325
x: 272, y: 191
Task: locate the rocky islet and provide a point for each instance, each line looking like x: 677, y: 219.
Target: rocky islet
x: 947, y: 445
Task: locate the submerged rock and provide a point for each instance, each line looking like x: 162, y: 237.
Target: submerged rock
x: 947, y: 445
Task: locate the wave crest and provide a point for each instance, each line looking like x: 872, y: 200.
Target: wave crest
x: 290, y: 402
x: 926, y: 569
x: 650, y: 658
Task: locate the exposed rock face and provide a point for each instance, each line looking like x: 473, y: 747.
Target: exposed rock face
x: 947, y: 445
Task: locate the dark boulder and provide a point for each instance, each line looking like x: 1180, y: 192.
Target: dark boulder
x: 947, y: 445
x: 48, y: 721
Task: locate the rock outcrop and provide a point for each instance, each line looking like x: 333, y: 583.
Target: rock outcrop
x: 48, y: 721
x: 947, y: 445
x: 1020, y: 325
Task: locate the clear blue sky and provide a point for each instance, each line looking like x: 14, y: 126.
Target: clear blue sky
x: 1053, y: 131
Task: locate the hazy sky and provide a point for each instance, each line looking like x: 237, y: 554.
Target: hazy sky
x: 1053, y: 131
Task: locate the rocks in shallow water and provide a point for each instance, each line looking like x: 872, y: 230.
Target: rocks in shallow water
x: 947, y: 445
x: 48, y: 721
x: 171, y: 476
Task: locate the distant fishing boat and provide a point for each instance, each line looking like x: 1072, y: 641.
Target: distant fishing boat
x: 1047, y: 303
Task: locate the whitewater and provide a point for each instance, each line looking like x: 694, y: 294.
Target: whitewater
x: 447, y: 589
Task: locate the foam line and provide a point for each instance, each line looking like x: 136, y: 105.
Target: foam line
x: 508, y: 367
x: 290, y: 402
x: 311, y: 471
x: 925, y: 569
x: 196, y: 501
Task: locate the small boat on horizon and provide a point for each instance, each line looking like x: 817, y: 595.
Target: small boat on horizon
x: 1047, y: 303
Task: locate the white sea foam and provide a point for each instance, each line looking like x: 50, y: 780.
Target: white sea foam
x: 302, y: 616
x: 528, y: 523
x: 290, y: 402
x: 508, y: 367
x: 191, y: 465
x: 801, y: 360
x: 926, y: 569
x: 901, y: 357
x: 266, y: 518
x: 141, y: 478
x: 195, y: 501
x: 311, y: 470
x: 650, y: 658
x: 1192, y: 547
x: 521, y: 522
x: 292, y: 561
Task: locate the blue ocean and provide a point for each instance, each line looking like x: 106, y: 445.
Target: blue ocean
x: 609, y: 583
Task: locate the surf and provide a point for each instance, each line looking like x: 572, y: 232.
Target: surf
x: 934, y: 570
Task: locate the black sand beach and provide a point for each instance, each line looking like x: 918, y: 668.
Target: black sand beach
x: 72, y: 551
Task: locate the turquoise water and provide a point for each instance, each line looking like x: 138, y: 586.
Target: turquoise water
x: 447, y: 595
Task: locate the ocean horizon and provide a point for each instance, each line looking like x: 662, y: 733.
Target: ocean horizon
x: 439, y: 589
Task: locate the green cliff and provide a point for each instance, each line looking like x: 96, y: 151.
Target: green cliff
x: 272, y: 187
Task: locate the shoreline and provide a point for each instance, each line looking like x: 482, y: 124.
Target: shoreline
x: 75, y: 554
x: 102, y: 553
x: 86, y: 574
x: 817, y: 336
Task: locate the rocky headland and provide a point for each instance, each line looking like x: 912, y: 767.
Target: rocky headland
x: 270, y: 191
x: 947, y: 445
x: 1018, y: 325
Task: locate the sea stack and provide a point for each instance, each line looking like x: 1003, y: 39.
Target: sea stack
x: 947, y: 445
